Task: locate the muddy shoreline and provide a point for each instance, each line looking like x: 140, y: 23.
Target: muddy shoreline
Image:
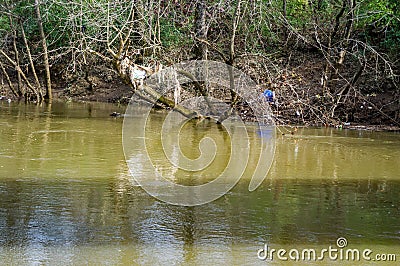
x: 122, y: 97
x: 101, y: 84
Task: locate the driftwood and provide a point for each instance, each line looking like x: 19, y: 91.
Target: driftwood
x: 125, y: 70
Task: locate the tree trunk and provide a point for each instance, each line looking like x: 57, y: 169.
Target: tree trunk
x: 230, y: 63
x: 201, y: 30
x: 48, y: 95
x: 147, y: 93
x: 19, y: 90
x: 22, y: 74
x: 39, y: 96
x: 347, y: 34
x: 10, y: 85
x: 284, y: 12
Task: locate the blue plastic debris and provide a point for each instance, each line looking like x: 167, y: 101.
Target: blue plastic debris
x: 269, y: 95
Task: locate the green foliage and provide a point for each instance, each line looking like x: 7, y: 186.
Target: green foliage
x: 171, y: 35
x: 58, y: 34
x: 4, y: 25
x: 298, y: 13
x: 52, y: 17
x: 392, y: 41
x: 380, y: 21
x: 262, y: 24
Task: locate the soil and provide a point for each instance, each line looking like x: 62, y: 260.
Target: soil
x: 99, y: 84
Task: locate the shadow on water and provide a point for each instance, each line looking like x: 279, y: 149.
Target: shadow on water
x: 42, y: 214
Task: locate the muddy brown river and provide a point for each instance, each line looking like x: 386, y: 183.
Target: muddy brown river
x: 67, y: 197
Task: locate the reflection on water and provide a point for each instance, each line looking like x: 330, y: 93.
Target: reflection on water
x: 66, y: 196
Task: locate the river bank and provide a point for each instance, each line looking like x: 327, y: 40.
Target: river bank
x: 299, y: 98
